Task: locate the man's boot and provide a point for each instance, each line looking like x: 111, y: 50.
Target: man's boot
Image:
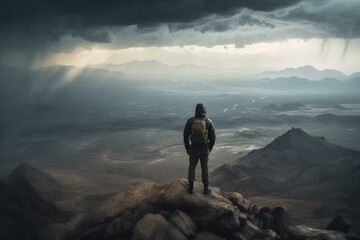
x: 190, y: 188
x: 207, y: 189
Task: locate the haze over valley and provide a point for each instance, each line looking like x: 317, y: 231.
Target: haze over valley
x: 133, y: 127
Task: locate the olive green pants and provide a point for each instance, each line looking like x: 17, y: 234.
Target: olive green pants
x: 194, y: 156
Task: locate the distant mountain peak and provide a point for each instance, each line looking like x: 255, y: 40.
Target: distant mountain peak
x: 307, y: 71
x: 294, y: 162
x: 312, y: 149
x: 296, y: 131
x: 307, y: 67
x: 24, y: 171
x: 293, y: 139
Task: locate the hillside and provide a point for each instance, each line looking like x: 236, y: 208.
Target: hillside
x: 298, y: 167
x: 290, y: 162
x: 23, y: 208
x: 41, y: 182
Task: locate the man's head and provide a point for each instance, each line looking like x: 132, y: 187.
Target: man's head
x: 200, y: 110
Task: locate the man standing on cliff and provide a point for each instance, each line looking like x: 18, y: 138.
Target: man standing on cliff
x: 199, y: 139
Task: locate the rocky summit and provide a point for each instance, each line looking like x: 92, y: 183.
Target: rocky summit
x: 148, y: 211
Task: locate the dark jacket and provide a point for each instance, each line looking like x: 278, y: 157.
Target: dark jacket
x: 200, y: 111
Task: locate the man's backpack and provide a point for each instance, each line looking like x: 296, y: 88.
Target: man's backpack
x: 199, y: 131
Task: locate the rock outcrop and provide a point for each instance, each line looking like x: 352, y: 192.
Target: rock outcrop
x: 118, y: 215
x: 149, y: 211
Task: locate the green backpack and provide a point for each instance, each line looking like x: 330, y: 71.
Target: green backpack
x: 199, y: 132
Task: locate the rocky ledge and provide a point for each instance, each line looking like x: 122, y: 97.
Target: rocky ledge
x: 150, y: 211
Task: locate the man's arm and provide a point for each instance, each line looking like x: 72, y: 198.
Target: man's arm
x: 187, y: 132
x: 211, y: 134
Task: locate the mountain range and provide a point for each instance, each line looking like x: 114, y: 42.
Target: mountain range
x: 302, y: 84
x: 155, y: 69
x: 308, y: 72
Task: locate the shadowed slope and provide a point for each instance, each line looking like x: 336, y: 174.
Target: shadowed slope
x: 293, y: 161
x: 23, y: 209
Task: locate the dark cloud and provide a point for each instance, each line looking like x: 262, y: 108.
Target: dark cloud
x: 225, y: 24
x: 56, y: 18
x: 96, y: 35
x: 126, y: 12
x: 338, y: 18
x: 28, y: 28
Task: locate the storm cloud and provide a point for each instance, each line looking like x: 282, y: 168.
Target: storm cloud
x: 93, y: 20
x: 31, y: 27
x: 95, y: 13
x: 339, y: 18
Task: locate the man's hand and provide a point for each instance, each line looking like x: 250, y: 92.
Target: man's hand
x: 188, y: 151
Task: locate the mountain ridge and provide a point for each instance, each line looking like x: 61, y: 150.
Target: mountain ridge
x: 281, y: 162
x: 294, y: 83
x: 307, y: 71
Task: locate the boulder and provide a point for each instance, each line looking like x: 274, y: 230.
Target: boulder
x: 237, y: 236
x: 238, y: 200
x: 155, y: 226
x: 207, y: 236
x: 165, y: 213
x: 123, y: 210
x: 211, y: 210
x: 339, y: 223
x: 254, y: 211
x: 302, y: 232
x: 267, y: 221
x: 184, y: 223
x: 280, y: 219
x: 122, y: 225
x: 243, y: 218
x: 250, y: 231
x: 262, y: 212
x: 268, y: 233
x: 252, y: 219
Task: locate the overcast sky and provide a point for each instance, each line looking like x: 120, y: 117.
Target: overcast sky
x: 251, y: 35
